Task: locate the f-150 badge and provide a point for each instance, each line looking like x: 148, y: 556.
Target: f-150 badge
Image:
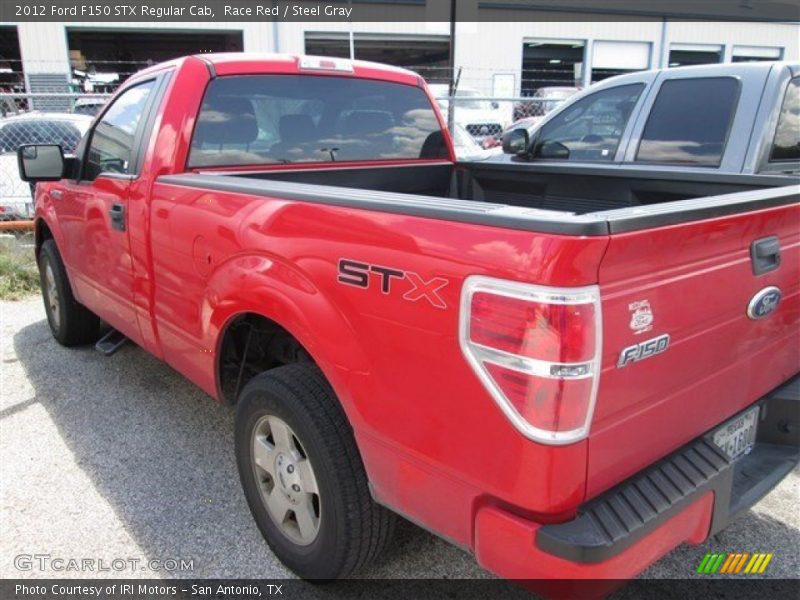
x: 643, y: 350
x: 641, y: 316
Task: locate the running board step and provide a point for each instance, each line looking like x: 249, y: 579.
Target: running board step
x: 110, y: 342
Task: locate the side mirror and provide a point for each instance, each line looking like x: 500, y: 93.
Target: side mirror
x: 495, y: 105
x: 515, y: 141
x: 40, y: 162
x: 550, y: 149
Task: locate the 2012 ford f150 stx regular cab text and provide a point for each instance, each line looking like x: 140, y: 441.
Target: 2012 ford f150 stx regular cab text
x: 569, y: 371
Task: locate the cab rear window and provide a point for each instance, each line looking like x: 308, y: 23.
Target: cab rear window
x: 690, y: 122
x: 274, y: 119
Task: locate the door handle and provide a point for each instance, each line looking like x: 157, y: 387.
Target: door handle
x: 765, y: 254
x: 117, y: 213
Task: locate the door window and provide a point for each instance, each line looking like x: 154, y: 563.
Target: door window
x: 112, y: 144
x: 786, y: 146
x: 590, y: 129
x: 690, y: 121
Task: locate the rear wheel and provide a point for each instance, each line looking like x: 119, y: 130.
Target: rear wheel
x: 287, y: 483
x: 70, y: 322
x: 303, y: 477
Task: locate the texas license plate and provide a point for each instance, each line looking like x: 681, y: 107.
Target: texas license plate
x: 737, y: 436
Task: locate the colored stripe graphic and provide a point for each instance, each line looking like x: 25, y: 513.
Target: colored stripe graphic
x: 728, y: 562
x: 712, y: 559
x: 718, y: 563
x: 734, y: 563
x: 741, y: 562
x: 757, y: 566
x: 752, y: 562
x: 703, y: 563
x: 765, y: 563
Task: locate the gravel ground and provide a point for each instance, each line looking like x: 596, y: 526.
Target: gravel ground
x: 122, y: 457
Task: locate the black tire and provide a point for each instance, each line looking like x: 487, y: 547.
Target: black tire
x: 74, y: 324
x: 353, y: 529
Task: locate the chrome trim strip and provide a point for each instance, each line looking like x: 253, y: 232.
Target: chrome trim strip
x: 530, y: 366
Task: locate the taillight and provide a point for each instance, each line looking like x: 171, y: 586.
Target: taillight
x: 536, y: 349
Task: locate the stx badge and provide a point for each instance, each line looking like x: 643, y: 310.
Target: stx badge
x: 357, y: 274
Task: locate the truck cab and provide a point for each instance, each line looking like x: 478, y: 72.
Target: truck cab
x: 735, y: 119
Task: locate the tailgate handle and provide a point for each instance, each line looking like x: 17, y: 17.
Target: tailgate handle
x: 765, y: 255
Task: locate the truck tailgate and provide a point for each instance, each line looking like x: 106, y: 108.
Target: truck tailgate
x: 693, y: 282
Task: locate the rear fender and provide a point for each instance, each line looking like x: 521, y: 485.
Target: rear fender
x: 279, y: 291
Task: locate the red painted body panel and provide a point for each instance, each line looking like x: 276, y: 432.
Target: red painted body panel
x: 506, y: 545
x: 435, y: 445
x: 104, y: 276
x: 218, y: 254
x: 698, y: 280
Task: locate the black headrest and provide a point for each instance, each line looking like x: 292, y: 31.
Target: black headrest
x: 365, y: 122
x: 434, y: 146
x: 227, y: 120
x: 295, y: 129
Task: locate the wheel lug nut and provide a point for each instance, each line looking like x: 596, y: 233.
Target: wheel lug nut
x: 290, y: 469
x: 296, y: 487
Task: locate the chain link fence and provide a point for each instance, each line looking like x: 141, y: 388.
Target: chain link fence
x: 16, y: 103
x: 38, y: 118
x: 486, y: 118
x: 488, y: 101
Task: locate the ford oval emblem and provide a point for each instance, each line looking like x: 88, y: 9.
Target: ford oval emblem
x: 764, y: 302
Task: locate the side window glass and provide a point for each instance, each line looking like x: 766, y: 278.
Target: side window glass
x: 590, y: 129
x: 786, y: 146
x: 689, y: 122
x: 112, y: 142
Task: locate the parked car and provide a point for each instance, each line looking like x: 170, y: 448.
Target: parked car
x: 673, y: 120
x: 467, y: 149
x: 62, y: 129
x: 88, y: 106
x: 528, y: 113
x: 543, y: 100
x: 528, y: 123
x: 481, y: 118
x: 569, y: 370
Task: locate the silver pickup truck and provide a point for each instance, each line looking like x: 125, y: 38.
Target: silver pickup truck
x: 736, y: 118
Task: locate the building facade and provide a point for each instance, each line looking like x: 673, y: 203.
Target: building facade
x: 511, y: 57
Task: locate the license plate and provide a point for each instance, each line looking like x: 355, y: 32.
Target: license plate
x: 737, y: 436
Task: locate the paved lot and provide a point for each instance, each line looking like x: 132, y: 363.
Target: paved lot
x: 121, y: 457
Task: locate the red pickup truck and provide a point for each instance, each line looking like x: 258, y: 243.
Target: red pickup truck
x: 568, y: 391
